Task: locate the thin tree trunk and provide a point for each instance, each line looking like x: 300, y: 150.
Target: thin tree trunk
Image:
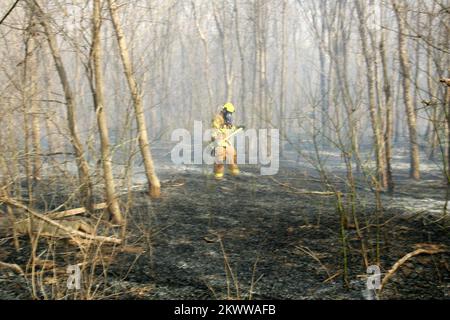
x: 82, y: 165
x: 389, y: 114
x: 432, y: 127
x: 447, y: 102
x: 417, y: 65
x: 371, y: 87
x: 49, y: 112
x: 154, y: 184
x: 27, y: 149
x: 397, y: 118
x: 113, y: 204
x: 12, y: 147
x: 341, y: 68
x: 325, y: 91
x: 206, y: 53
x: 409, y: 107
x: 261, y: 47
x: 243, y: 92
x: 283, y: 74
x: 34, y: 105
x: 5, y: 192
x: 255, y: 86
x: 27, y: 96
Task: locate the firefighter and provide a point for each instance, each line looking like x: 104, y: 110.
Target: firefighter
x: 224, y: 151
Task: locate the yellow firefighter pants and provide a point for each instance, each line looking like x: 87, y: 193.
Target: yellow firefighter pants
x: 225, y: 155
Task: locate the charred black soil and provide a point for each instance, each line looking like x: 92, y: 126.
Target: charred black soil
x: 259, y: 238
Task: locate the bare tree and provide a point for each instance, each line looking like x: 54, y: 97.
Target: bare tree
x: 371, y: 88
x: 388, y: 101
x: 400, y: 12
x: 82, y: 165
x: 283, y: 57
x: 221, y: 25
x: 205, y: 44
x: 154, y: 184
x: 32, y: 50
x: 99, y: 100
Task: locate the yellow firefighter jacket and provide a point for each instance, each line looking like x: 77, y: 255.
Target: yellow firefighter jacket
x: 221, y: 131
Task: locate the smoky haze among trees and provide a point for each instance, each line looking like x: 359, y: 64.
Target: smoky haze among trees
x: 92, y: 90
x: 310, y: 68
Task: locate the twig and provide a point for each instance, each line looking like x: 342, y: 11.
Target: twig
x: 9, y: 11
x: 433, y: 249
x: 378, y: 225
x: 303, y: 191
x: 313, y: 255
x: 333, y: 276
x: 56, y: 154
x: 12, y: 266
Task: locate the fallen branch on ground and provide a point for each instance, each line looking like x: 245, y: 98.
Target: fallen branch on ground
x: 74, y: 212
x: 71, y: 232
x: 430, y: 249
x: 303, y: 191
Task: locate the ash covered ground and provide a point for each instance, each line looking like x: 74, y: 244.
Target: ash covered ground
x: 261, y: 238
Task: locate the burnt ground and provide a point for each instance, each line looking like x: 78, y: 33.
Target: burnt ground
x: 279, y: 244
